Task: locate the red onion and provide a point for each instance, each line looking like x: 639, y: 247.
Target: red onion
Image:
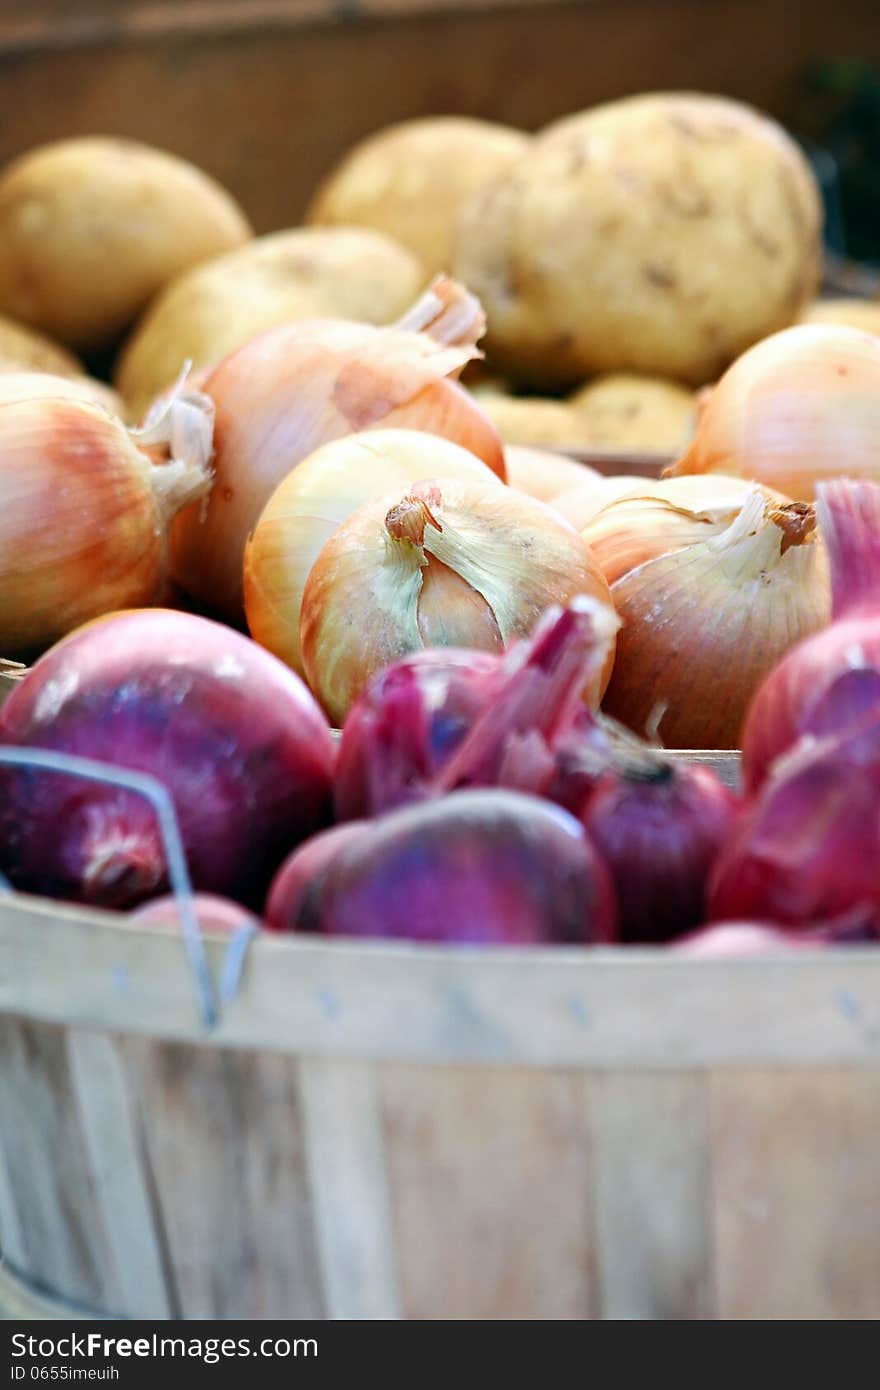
x: 737, y: 939
x: 484, y: 867
x: 436, y: 721
x: 294, y: 889
x: 404, y: 727
x: 233, y: 735
x: 214, y: 914
x: 830, y: 679
x: 808, y: 850
x: 659, y: 828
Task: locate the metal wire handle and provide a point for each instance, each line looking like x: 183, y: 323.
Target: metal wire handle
x: 175, y: 860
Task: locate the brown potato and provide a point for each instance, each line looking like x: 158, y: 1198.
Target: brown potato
x: 536, y: 421
x: 661, y: 234
x: 91, y: 229
x: 24, y: 350
x: 409, y: 180
x: 214, y: 309
x: 847, y: 312
x: 637, y: 413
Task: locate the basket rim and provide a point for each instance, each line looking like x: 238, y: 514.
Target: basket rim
x: 612, y: 1007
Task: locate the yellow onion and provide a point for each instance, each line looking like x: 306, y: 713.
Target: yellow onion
x: 797, y: 408
x: 32, y: 385
x: 676, y: 513
x: 544, y: 474
x: 314, y: 500
x: 579, y: 504
x: 83, y: 509
x: 446, y: 564
x: 297, y: 387
x: 703, y: 626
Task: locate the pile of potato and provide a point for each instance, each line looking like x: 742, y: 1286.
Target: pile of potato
x: 624, y: 256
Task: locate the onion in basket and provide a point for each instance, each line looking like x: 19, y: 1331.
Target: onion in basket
x: 809, y: 847
x: 444, y: 564
x: 231, y: 733
x: 298, y: 386
x: 801, y: 406
x: 84, y: 510
x: 445, y: 718
x: 659, y: 826
x: 482, y: 867
x: 667, y: 516
x: 831, y: 680
x: 314, y: 500
x: 544, y: 474
x: 703, y: 626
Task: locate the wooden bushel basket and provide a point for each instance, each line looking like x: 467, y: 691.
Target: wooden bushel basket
x: 378, y: 1131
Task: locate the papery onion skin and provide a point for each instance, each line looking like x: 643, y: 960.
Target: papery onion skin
x: 84, y: 512
x: 801, y: 406
x: 703, y: 626
x: 372, y: 598
x: 544, y: 474
x: 286, y: 393
x: 579, y: 504
x: 231, y: 733
x: 809, y: 848
x: 313, y: 501
x: 447, y: 719
x: 634, y: 529
x: 406, y: 724
x: 213, y: 914
x: 659, y: 832
x: 828, y: 681
x: 477, y: 867
x: 294, y: 892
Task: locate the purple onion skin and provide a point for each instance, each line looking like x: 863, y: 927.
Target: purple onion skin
x: 477, y: 867
x: 295, y: 891
x: 404, y: 727
x: 815, y: 689
x: 808, y: 850
x: 659, y: 836
x: 234, y: 736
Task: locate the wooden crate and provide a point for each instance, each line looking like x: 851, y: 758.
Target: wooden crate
x: 379, y: 1131
x: 268, y: 94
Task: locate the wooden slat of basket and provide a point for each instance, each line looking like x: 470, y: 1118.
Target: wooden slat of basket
x: 622, y: 1008
x: 465, y: 1145
x: 116, y: 1161
x: 347, y: 1166
x: 796, y: 1193
x: 649, y: 1136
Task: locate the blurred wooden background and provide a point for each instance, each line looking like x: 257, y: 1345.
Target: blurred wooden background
x: 266, y: 94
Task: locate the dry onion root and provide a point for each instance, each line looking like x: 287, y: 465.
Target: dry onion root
x: 702, y: 626
x: 446, y: 564
x: 84, y: 510
x: 299, y: 386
